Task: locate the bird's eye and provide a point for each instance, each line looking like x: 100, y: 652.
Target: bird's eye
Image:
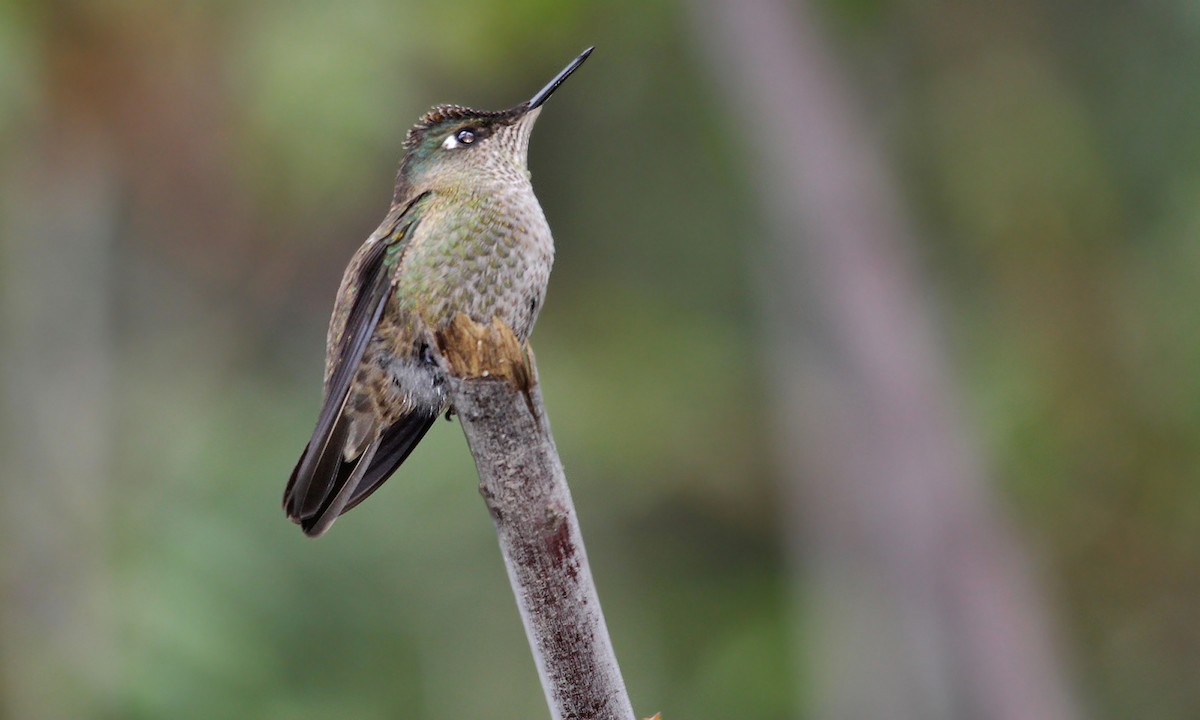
x: 462, y: 138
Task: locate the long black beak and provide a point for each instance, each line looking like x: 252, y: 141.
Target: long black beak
x: 547, y: 91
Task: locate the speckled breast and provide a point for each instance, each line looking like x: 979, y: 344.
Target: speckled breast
x: 484, y: 254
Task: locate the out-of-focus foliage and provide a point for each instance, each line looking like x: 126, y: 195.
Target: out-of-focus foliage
x: 241, y: 151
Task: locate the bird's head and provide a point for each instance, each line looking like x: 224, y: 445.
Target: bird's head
x: 451, y: 144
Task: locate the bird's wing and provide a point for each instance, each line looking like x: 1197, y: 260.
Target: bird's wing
x: 395, y: 443
x: 323, y: 480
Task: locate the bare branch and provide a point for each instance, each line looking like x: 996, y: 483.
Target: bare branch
x: 494, y: 389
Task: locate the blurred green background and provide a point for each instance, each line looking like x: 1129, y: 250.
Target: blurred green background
x: 183, y: 183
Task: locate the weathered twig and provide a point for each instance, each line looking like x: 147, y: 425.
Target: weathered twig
x: 494, y: 390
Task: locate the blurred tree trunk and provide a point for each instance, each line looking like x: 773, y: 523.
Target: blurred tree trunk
x: 130, y: 121
x: 60, y: 215
x: 918, y: 601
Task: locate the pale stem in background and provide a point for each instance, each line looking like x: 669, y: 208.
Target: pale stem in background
x: 919, y: 602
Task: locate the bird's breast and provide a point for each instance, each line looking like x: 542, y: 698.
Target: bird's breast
x: 484, y: 254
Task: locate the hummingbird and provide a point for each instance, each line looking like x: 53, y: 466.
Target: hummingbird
x: 464, y: 234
